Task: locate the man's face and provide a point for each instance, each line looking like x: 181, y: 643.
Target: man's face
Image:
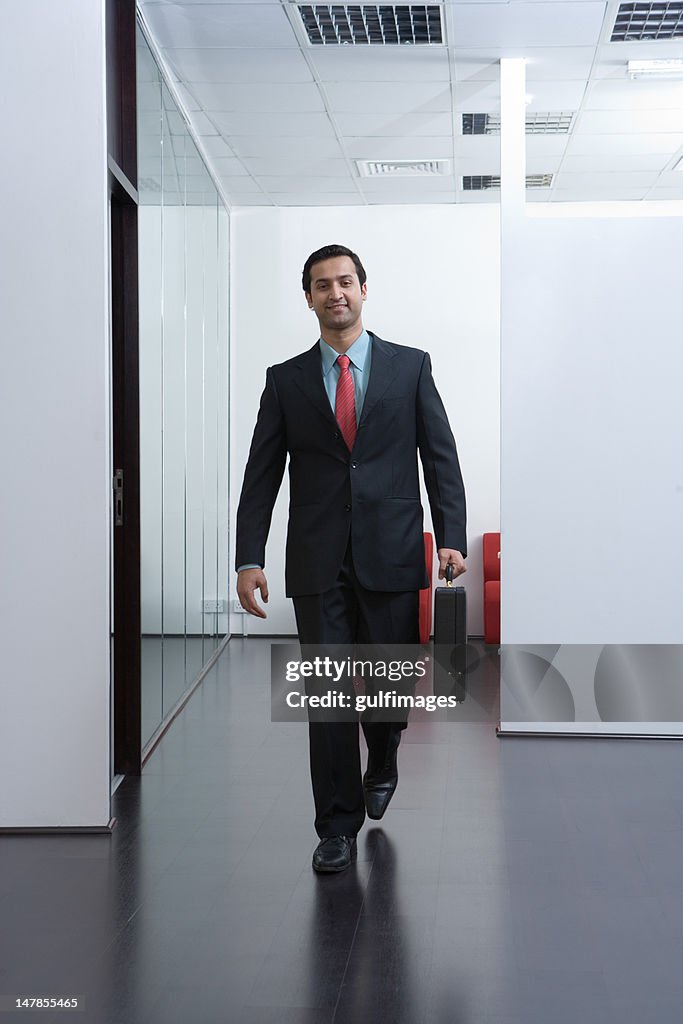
x: 336, y: 294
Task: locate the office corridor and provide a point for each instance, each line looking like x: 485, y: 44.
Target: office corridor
x: 512, y: 881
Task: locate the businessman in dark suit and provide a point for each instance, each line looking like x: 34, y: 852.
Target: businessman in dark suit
x: 352, y: 413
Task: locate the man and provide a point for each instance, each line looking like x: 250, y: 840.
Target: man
x: 352, y: 413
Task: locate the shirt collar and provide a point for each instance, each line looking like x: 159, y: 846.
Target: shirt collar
x: 357, y: 353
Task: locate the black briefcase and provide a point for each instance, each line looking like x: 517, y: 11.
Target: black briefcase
x: 450, y: 639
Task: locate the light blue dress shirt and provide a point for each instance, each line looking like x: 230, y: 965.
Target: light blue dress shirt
x: 360, y: 354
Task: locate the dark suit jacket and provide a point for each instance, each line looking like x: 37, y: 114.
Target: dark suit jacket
x: 371, y: 493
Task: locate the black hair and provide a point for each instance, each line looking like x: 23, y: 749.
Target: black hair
x: 326, y: 253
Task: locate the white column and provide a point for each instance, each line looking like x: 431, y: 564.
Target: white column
x: 54, y: 420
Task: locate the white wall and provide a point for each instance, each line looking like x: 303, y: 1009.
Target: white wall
x: 433, y: 282
x: 592, y: 421
x: 54, y: 420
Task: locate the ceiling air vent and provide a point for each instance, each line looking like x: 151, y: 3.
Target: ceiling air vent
x: 480, y: 182
x: 402, y: 168
x: 378, y: 24
x: 551, y: 123
x: 648, y: 21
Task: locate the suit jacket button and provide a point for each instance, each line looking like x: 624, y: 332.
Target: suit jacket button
x: 353, y: 465
x: 336, y: 437
x: 347, y: 508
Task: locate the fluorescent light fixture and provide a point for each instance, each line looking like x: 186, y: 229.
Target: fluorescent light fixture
x: 659, y: 69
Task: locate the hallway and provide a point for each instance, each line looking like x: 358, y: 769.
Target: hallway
x: 512, y: 881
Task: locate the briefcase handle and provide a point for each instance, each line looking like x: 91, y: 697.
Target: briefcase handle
x: 449, y: 575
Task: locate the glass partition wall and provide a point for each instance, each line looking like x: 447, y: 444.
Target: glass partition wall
x: 183, y: 267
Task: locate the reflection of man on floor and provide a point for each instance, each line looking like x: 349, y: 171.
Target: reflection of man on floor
x: 352, y: 413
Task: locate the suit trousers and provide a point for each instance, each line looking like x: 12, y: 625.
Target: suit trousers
x: 347, y: 613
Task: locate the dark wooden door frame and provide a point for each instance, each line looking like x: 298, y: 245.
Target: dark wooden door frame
x: 126, y: 504
x: 120, y: 37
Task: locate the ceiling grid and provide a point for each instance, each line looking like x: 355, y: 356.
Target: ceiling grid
x: 285, y: 121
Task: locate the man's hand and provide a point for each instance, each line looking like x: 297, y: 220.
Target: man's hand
x: 448, y: 556
x: 249, y: 581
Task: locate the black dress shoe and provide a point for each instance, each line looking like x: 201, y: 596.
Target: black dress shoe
x: 334, y: 853
x: 380, y: 781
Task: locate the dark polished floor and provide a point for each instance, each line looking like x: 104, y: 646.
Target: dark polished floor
x: 514, y: 881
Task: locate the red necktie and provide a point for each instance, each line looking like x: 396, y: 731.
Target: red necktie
x: 345, y: 405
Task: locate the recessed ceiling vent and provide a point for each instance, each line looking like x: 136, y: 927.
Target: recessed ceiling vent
x: 481, y: 182
x: 648, y: 21
x: 378, y: 24
x: 551, y: 123
x: 402, y: 168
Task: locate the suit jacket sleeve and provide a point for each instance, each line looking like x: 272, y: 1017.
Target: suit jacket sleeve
x: 440, y: 464
x: 262, y: 478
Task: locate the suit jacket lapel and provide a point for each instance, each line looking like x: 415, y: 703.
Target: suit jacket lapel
x: 382, y: 372
x: 310, y: 382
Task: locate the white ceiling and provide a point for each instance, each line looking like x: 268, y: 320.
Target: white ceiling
x: 283, y: 122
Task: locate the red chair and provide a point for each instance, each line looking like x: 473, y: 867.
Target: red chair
x: 426, y: 594
x: 491, y: 549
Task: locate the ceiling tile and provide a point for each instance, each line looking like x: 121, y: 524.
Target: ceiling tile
x: 666, y: 193
x: 484, y: 97
x: 383, y: 125
x: 419, y: 148
x: 388, y: 97
x: 259, y: 98
x: 568, y: 63
x: 485, y: 147
x: 222, y: 65
x: 526, y: 24
x: 274, y: 183
x: 635, y: 95
x: 481, y: 97
x: 610, y: 162
x: 297, y: 165
x: 641, y: 122
x: 587, y: 145
x: 211, y: 25
x: 313, y: 199
x: 670, y: 179
x: 408, y: 185
x: 563, y: 195
x: 412, y: 198
x: 606, y: 180
x: 540, y: 146
x: 273, y: 126
x: 487, y: 196
x: 377, y: 64
x: 555, y: 95
x: 614, y: 56
x: 478, y: 165
x: 266, y: 146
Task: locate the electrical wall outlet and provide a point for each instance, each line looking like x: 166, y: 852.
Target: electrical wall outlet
x: 237, y: 608
x: 213, y: 607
